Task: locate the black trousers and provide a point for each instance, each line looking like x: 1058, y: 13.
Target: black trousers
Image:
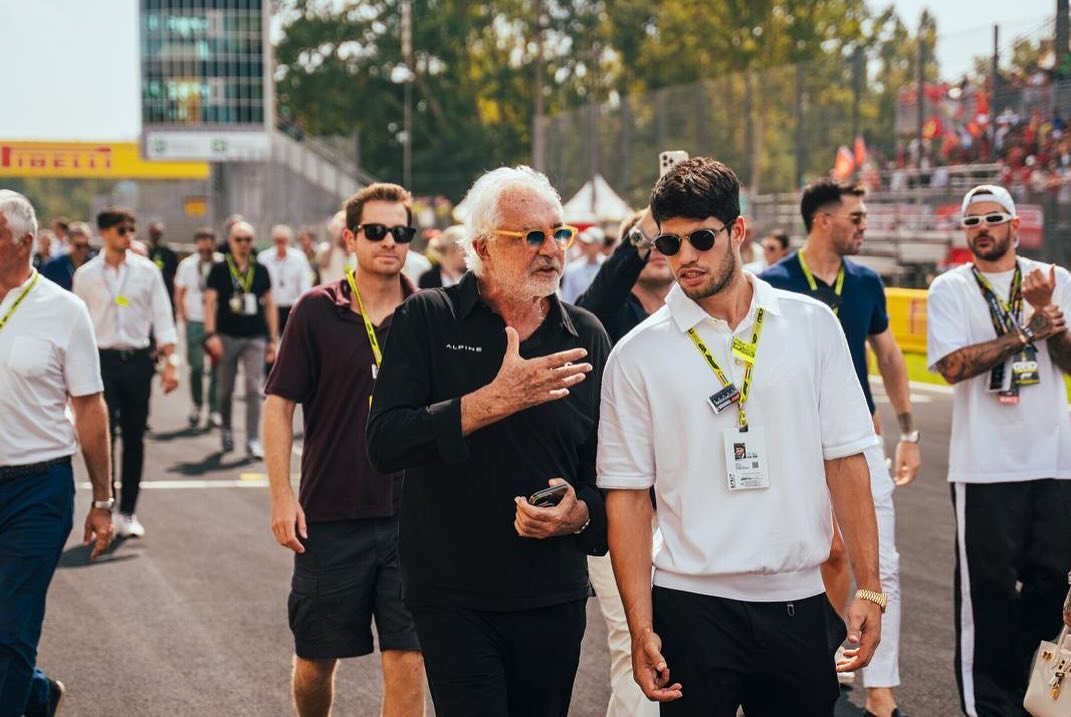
x: 1013, y: 551
x: 127, y: 386
x: 501, y: 664
x: 773, y: 658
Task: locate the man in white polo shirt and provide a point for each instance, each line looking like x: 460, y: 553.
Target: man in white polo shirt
x: 996, y: 331
x: 738, y: 613
x: 289, y: 271
x: 47, y: 354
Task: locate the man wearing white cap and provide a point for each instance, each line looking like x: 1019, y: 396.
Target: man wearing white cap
x: 997, y: 332
x: 581, y: 272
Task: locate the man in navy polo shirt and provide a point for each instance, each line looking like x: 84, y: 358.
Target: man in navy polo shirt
x: 834, y: 215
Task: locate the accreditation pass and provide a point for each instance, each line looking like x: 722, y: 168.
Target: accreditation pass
x: 746, y: 459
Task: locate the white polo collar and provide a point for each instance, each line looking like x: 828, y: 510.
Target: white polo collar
x: 687, y: 314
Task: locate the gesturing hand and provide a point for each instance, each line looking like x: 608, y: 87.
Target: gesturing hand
x: 522, y: 383
x: 1038, y: 289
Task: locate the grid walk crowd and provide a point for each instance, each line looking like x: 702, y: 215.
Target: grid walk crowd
x: 686, y: 433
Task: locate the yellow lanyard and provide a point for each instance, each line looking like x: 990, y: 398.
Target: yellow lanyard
x: 838, y: 286
x: 245, y: 279
x: 11, y: 311
x: 376, y: 353
x: 746, y: 352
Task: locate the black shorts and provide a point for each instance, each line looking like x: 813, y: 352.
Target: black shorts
x: 774, y: 658
x: 348, y: 574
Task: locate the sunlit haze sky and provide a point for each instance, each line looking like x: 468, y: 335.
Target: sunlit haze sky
x: 71, y: 66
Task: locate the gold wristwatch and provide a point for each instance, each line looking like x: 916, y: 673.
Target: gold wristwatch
x: 879, y: 599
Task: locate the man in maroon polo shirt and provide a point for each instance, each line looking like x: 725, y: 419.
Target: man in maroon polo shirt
x: 343, y: 528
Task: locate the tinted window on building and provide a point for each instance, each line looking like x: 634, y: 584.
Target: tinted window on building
x: 202, y: 62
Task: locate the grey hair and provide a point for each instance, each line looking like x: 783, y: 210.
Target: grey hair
x: 484, y: 210
x: 244, y: 224
x: 19, y: 215
x: 79, y: 229
x: 282, y: 229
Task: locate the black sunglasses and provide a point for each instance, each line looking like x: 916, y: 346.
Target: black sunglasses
x: 378, y: 232
x: 701, y: 239
x: 121, y: 230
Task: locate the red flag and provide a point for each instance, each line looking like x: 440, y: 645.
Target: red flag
x: 931, y: 128
x: 844, y: 165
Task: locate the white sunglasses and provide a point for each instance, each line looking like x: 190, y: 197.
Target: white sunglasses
x: 991, y: 220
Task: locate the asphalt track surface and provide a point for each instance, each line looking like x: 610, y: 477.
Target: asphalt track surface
x: 191, y: 620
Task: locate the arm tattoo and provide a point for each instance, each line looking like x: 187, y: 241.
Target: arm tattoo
x: 1060, y: 351
x: 907, y: 422
x: 1040, y: 323
x: 971, y: 361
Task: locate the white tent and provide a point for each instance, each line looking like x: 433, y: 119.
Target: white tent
x: 596, y: 203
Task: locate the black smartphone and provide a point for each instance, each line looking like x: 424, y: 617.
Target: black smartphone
x: 549, y: 497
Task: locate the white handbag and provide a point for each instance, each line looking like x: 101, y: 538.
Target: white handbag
x: 1049, y: 691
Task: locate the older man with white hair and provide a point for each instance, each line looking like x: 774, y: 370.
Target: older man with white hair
x: 289, y: 270
x: 482, y: 400
x: 49, y: 355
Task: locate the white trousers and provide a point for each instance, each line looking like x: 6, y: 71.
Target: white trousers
x: 626, y: 697
x: 884, y: 667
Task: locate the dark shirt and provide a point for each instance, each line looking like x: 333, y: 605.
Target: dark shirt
x: 431, y: 279
x: 458, y: 545
x: 229, y: 322
x: 610, y: 295
x: 325, y: 363
x: 862, y: 305
x: 61, y: 270
x: 167, y: 262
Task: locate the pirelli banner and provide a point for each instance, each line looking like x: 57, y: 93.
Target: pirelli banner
x: 90, y: 160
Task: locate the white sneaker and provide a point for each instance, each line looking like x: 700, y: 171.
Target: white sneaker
x: 215, y: 419
x: 128, y: 526
x: 255, y: 449
x: 844, y: 678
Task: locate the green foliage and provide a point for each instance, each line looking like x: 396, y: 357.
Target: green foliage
x: 474, y: 80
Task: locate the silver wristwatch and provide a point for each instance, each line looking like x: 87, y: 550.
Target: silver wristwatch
x: 912, y: 437
x: 104, y: 504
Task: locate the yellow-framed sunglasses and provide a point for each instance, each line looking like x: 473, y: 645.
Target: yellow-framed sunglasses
x: 563, y: 235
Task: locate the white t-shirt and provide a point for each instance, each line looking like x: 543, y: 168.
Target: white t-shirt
x: 338, y: 260
x: 289, y: 275
x: 656, y: 429
x: 993, y: 442
x: 47, y: 351
x: 415, y: 265
x: 191, y: 276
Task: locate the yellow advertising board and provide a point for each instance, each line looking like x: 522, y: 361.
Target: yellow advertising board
x: 907, y: 318
x: 90, y: 160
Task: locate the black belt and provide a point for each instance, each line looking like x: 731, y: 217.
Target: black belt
x: 125, y: 354
x: 31, y: 469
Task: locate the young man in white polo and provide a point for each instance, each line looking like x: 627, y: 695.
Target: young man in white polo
x: 729, y: 366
